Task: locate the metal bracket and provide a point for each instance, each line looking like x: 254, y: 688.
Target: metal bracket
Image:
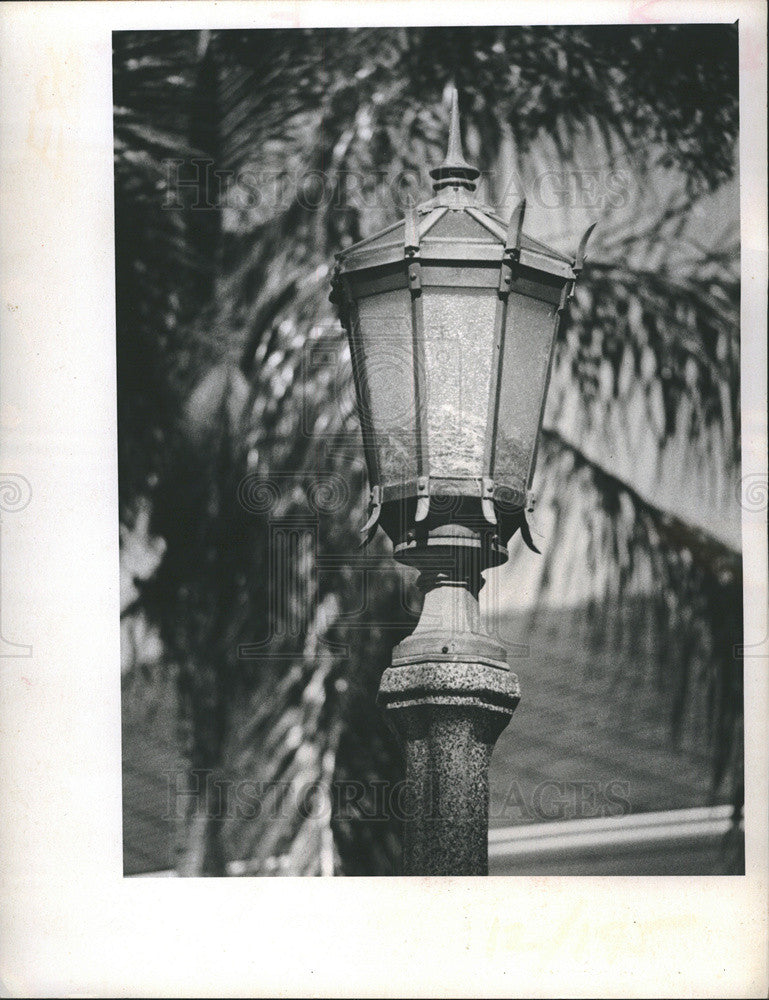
x: 511, y: 255
x: 526, y: 535
x: 487, y: 500
x: 423, y: 498
x: 411, y: 251
x: 505, y: 276
x: 338, y: 297
x: 411, y: 232
x: 516, y: 220
x: 525, y: 529
x: 375, y: 509
x: 414, y: 272
x: 415, y: 278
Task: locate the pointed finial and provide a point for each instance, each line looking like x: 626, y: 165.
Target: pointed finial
x: 455, y: 170
x: 579, y: 260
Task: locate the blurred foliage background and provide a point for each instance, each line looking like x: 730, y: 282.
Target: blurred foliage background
x: 243, y: 161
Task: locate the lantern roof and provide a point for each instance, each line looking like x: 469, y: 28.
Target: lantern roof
x: 454, y: 225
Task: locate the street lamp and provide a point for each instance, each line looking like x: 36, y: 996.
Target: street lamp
x: 451, y: 315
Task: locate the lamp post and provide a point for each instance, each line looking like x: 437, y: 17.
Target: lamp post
x: 451, y: 315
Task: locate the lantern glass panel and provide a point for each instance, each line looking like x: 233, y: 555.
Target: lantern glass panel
x: 459, y: 332
x: 386, y: 342
x: 529, y: 332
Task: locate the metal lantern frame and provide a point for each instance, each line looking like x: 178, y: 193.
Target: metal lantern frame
x: 452, y: 242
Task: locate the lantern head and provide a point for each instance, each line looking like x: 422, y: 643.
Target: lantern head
x: 452, y: 314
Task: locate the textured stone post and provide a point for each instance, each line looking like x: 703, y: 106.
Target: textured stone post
x: 449, y: 694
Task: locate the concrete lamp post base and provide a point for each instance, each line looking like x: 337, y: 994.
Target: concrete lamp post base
x: 449, y: 694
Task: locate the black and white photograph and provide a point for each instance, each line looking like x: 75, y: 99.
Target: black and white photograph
x: 384, y: 494
x: 527, y: 377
